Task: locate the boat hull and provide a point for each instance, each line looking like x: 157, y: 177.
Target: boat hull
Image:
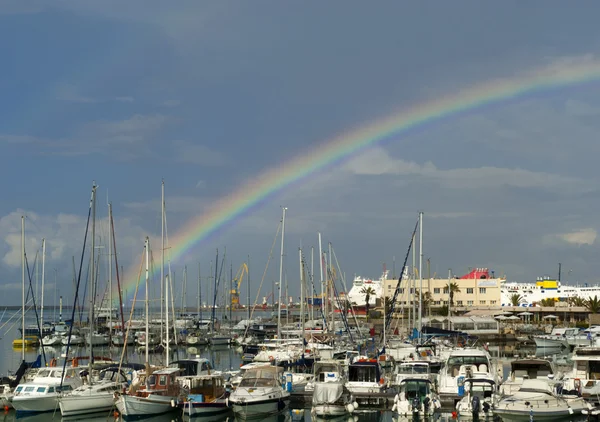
x: 204, y: 409
x: 550, y: 342
x: 329, y: 410
x: 134, y: 406
x: 35, y: 404
x: 84, y: 404
x: 258, y: 408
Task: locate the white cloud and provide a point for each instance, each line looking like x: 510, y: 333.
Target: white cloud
x: 187, y: 152
x: 377, y: 161
x: 580, y: 237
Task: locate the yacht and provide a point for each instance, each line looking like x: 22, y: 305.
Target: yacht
x: 42, y: 393
x: 558, y: 338
x: 97, y: 396
x: 416, y: 397
x: 365, y: 376
x: 535, y: 400
x: 463, y: 364
x: 584, y: 378
x: 259, y: 393
x: 479, y: 399
x: 522, y: 369
x: 330, y: 397
x: 150, y: 394
x: 544, y: 288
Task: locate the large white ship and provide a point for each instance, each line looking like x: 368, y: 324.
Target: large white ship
x: 356, y: 295
x: 544, y: 288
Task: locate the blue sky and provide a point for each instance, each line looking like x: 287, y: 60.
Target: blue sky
x: 209, y: 94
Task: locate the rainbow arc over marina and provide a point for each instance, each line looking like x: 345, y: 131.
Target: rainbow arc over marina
x: 334, y: 151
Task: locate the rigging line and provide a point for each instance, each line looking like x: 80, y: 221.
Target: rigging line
x: 263, y: 277
x: 393, y: 302
x: 314, y: 290
x: 128, y: 331
x: 37, y: 318
x: 112, y: 227
x: 87, y: 227
x: 343, y: 278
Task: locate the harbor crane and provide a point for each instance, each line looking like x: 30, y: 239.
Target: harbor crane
x: 235, y: 286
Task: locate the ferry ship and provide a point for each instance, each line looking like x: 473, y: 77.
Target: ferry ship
x: 545, y: 288
x: 358, y: 298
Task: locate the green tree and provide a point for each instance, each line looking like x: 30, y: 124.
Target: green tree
x: 453, y: 288
x: 427, y: 300
x: 547, y: 302
x: 593, y: 305
x: 516, y: 299
x: 576, y: 301
x: 368, y: 292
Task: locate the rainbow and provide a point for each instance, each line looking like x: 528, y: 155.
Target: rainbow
x: 340, y: 148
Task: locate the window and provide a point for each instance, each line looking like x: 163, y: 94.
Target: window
x: 412, y: 291
x: 401, y: 290
x: 482, y: 290
x: 436, y: 290
x: 437, y: 302
x: 459, y: 302
x: 445, y: 290
x: 469, y: 302
x: 482, y: 302
x: 162, y: 380
x: 41, y: 389
x: 469, y: 290
x: 492, y: 302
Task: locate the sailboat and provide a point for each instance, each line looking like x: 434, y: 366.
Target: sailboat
x: 151, y: 392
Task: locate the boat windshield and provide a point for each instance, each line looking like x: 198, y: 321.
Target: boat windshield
x: 257, y: 382
x: 416, y: 389
x: 413, y: 369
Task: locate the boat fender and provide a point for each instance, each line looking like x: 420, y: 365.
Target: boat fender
x: 350, y: 408
x: 396, y: 398
x: 53, y: 362
x: 570, y: 411
x: 355, y: 404
x: 227, y: 402
x: 394, y: 407
x: 173, y: 404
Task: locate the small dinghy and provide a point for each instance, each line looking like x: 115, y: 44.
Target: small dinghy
x: 535, y: 400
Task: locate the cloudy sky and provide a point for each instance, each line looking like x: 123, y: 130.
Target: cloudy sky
x: 210, y: 95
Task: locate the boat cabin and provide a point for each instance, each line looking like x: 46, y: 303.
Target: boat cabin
x: 193, y: 367
x: 412, y: 369
x: 161, y: 382
x: 327, y: 371
x: 530, y: 369
x: 365, y: 370
x: 262, y: 376
x: 202, y: 388
x: 413, y: 389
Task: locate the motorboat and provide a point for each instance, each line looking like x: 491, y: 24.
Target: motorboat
x: 97, y: 396
x: 412, y: 369
x: 416, y: 397
x: 479, y: 399
x: 556, y: 339
x: 204, y: 395
x: 584, y: 378
x: 260, y: 393
x: 365, y: 376
x: 522, y: 369
x: 52, y: 340
x: 330, y: 397
x: 151, y: 393
x: 42, y: 393
x: 535, y: 400
x: 462, y: 364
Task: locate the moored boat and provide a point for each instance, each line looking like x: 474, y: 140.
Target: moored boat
x: 259, y: 393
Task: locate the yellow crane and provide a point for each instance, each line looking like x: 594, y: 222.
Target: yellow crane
x: 235, y: 285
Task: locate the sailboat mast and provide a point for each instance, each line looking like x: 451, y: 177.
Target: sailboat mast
x: 92, y: 278
x: 147, y: 249
x: 199, y: 294
x: 420, y: 274
x: 323, y: 310
x: 43, y: 279
x: 248, y: 284
x: 23, y: 285
x: 162, y: 257
x: 280, y: 274
x: 332, y: 294
x: 302, y: 281
x: 110, y: 261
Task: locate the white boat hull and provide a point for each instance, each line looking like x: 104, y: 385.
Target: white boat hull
x: 258, y: 408
x: 84, y: 404
x: 35, y: 404
x: 545, y: 342
x: 219, y: 341
x: 144, y: 406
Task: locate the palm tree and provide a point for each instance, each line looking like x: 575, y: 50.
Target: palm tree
x: 547, y: 302
x: 576, y: 301
x: 453, y: 288
x: 368, y: 292
x: 516, y: 299
x: 387, y: 306
x: 426, y: 299
x: 593, y: 305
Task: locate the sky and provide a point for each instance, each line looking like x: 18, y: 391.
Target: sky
x: 210, y: 95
